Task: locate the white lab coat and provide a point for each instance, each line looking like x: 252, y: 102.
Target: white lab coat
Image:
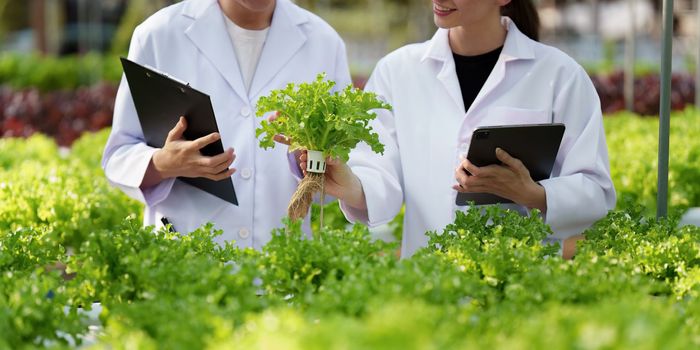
x: 429, y: 129
x: 189, y: 41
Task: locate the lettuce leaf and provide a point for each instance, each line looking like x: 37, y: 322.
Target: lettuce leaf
x: 317, y: 119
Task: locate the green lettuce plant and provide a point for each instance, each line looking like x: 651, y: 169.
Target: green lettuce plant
x: 313, y: 117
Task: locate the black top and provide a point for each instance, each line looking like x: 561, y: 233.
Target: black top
x: 472, y: 72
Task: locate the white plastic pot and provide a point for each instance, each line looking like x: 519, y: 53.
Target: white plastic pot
x: 316, y: 163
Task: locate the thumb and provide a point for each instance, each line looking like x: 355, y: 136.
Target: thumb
x: 508, y: 160
x: 334, y: 161
x: 273, y: 116
x: 177, y: 132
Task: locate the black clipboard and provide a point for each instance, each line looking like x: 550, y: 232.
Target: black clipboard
x: 536, y: 145
x: 160, y: 100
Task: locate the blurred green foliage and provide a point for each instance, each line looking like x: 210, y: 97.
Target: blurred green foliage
x: 633, y: 149
x: 136, y: 12
x: 48, y: 73
x: 13, y: 15
x: 63, y: 194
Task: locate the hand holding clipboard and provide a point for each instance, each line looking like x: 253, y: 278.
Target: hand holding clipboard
x: 161, y: 102
x: 180, y: 157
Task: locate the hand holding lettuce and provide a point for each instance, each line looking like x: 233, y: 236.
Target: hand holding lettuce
x: 315, y: 119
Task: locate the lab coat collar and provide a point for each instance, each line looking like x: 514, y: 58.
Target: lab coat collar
x: 208, y: 32
x: 194, y: 9
x: 517, y: 45
x: 284, y: 39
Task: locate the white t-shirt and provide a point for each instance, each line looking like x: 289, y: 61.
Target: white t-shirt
x: 248, y: 45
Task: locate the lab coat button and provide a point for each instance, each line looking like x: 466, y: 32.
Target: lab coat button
x: 246, y: 173
x: 244, y: 233
x: 245, y: 111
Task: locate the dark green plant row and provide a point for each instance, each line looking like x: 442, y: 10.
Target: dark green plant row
x: 49, y: 73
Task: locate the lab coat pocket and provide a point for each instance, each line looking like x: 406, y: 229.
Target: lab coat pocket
x: 187, y: 208
x: 515, y: 116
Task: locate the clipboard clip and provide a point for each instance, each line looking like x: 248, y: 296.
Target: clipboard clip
x: 148, y: 74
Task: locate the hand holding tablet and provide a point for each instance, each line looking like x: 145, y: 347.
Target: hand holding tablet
x: 535, y: 145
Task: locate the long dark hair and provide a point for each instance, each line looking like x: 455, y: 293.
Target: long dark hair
x: 525, y: 16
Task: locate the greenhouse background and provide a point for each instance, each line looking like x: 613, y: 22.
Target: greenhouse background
x: 606, y: 37
x: 77, y: 270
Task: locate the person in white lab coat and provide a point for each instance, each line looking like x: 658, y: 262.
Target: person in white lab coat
x: 478, y: 69
x: 235, y: 51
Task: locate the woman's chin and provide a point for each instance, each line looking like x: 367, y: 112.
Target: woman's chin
x: 442, y: 23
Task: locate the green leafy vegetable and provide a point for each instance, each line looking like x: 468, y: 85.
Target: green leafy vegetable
x: 315, y: 118
x: 486, y: 280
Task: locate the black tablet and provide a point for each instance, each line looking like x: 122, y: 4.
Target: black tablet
x: 536, y: 145
x: 160, y: 101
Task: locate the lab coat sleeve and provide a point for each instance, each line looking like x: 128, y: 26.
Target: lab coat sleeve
x: 380, y: 175
x: 127, y: 156
x: 294, y: 166
x: 580, y: 190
